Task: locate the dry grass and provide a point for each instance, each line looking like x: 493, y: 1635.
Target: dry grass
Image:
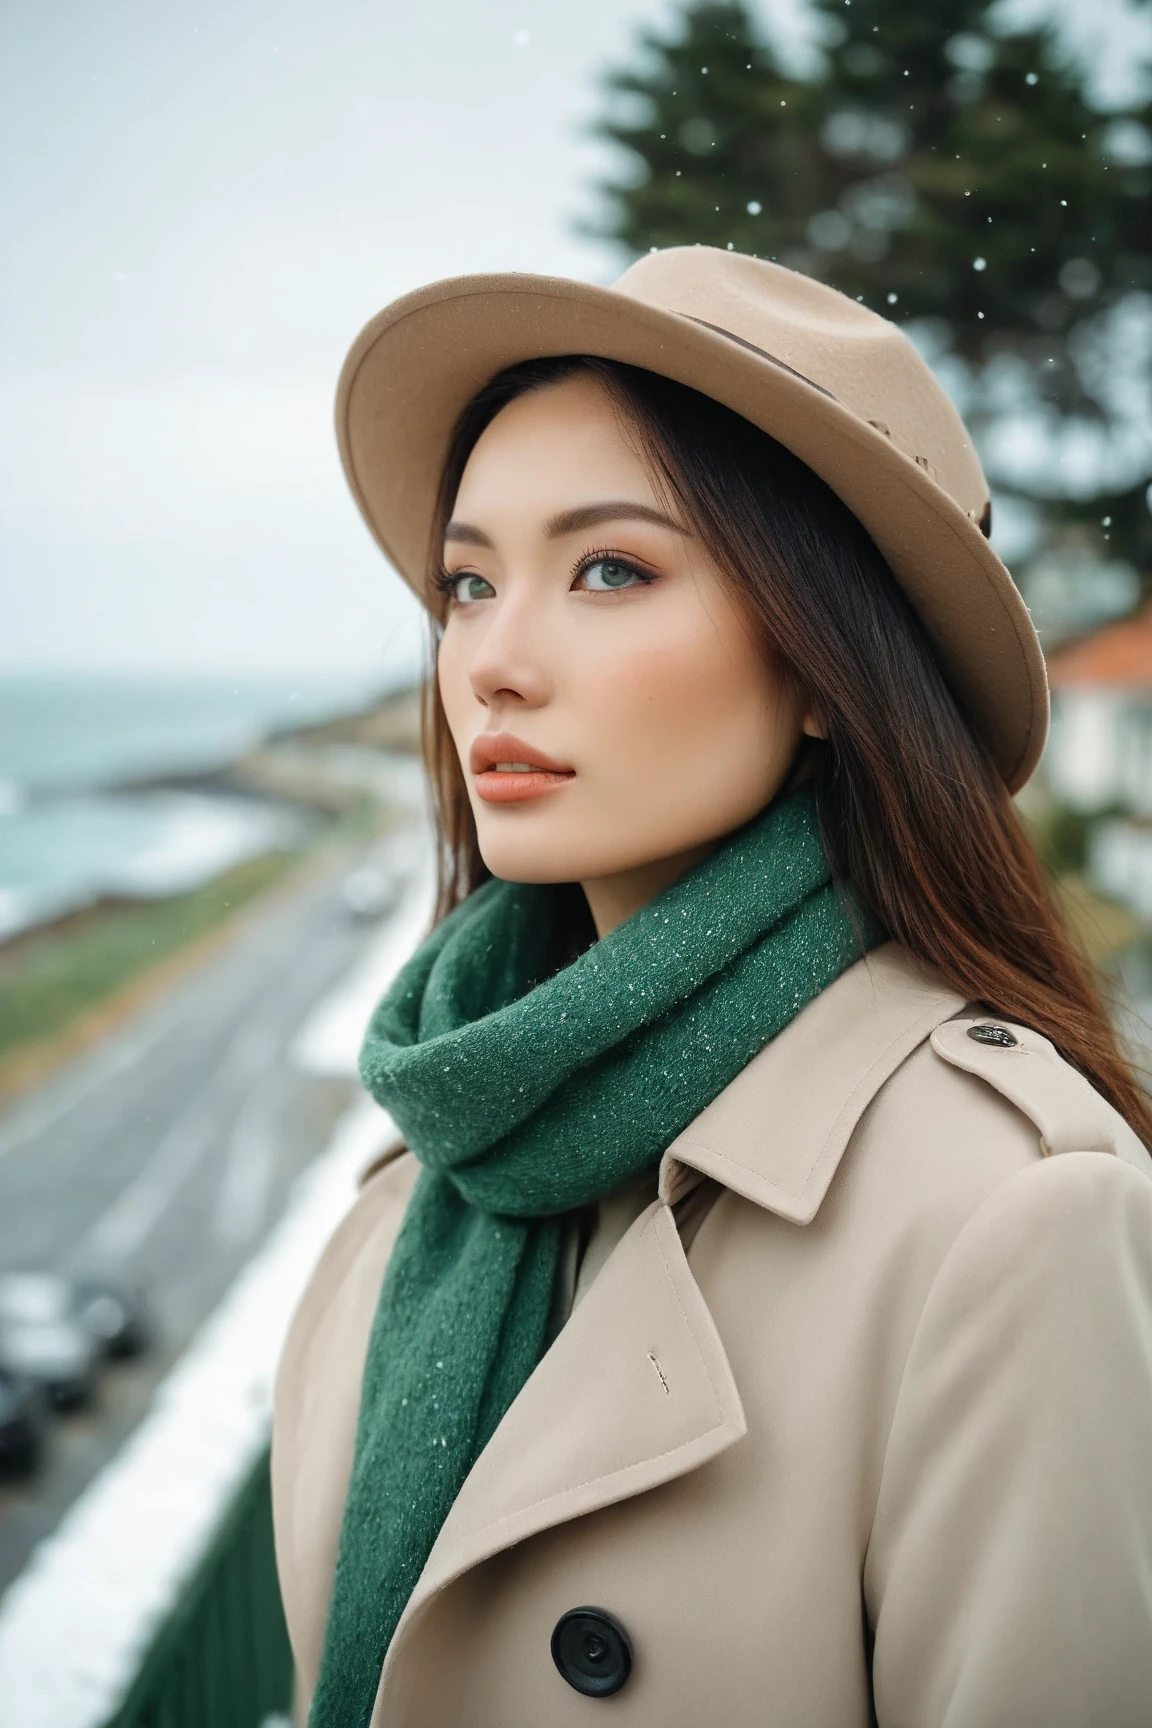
x: 66, y: 985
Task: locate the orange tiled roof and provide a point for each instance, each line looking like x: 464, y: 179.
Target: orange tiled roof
x: 1119, y: 656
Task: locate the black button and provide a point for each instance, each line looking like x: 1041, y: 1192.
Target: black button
x: 994, y: 1035
x: 592, y: 1651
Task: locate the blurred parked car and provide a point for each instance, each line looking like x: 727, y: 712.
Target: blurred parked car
x: 54, y: 1331
x: 21, y: 1426
x: 42, y: 1340
x: 370, y: 891
x: 113, y: 1312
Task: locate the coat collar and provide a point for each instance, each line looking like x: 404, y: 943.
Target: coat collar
x: 663, y: 1399
x: 777, y: 1133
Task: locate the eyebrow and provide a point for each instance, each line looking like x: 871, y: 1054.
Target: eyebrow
x: 572, y: 521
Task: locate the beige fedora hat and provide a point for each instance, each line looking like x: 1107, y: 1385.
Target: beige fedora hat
x: 839, y: 386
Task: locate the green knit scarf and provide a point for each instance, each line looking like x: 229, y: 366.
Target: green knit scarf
x: 525, y: 1092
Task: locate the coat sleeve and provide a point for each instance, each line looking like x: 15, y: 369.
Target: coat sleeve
x: 1009, y: 1572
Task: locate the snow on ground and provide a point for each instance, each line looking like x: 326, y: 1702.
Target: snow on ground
x: 75, y: 1624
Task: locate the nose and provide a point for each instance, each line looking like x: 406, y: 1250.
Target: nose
x: 509, y: 662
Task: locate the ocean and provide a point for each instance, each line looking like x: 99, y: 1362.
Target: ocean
x: 75, y: 829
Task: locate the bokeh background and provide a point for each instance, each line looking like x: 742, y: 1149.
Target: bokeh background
x: 213, y: 853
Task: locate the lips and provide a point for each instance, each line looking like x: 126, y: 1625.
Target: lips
x: 506, y: 770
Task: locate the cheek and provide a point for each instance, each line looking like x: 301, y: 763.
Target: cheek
x: 700, y: 697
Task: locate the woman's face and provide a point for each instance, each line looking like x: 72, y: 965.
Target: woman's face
x: 614, y: 713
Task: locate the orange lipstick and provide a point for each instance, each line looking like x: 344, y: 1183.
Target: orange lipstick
x: 506, y: 770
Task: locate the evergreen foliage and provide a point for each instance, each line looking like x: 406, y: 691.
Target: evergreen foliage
x: 941, y: 170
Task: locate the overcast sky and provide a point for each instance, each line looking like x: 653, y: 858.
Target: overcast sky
x: 199, y: 209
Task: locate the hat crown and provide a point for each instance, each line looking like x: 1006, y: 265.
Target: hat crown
x: 864, y: 361
x: 839, y: 386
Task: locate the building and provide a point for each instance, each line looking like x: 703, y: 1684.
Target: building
x: 1099, y: 756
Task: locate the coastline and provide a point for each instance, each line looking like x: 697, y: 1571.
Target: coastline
x: 67, y: 981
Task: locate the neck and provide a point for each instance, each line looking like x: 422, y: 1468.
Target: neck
x: 612, y: 899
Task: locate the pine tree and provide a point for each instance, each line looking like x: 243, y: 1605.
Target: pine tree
x: 943, y: 172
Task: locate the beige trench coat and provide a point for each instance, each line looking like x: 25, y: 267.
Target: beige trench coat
x: 876, y: 1448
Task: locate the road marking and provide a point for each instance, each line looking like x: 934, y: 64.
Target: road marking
x: 243, y: 1197
x: 196, y: 993
x: 65, y: 1097
x: 139, y: 1206
x: 121, y: 1229
x: 250, y: 1166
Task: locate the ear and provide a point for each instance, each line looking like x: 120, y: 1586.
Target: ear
x: 812, y: 726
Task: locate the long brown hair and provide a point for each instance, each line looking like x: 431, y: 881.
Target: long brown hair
x: 914, y: 815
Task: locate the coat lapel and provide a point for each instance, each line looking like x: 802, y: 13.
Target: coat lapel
x: 661, y: 1401
x: 777, y: 1133
x: 637, y: 1389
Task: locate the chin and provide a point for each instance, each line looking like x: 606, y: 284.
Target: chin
x: 566, y: 853
x: 513, y: 861
x: 518, y: 846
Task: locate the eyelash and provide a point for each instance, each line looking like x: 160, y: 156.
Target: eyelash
x: 606, y: 555
x: 444, y: 581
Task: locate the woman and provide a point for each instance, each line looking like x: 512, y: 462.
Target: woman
x: 759, y: 1328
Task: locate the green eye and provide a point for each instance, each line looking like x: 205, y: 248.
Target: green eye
x: 468, y: 588
x: 607, y: 574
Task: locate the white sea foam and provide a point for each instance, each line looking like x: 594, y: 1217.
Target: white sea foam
x: 199, y: 837
x: 71, y: 852
x: 69, y: 838
x: 16, y: 913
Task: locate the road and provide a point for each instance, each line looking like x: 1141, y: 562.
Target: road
x: 167, y: 1153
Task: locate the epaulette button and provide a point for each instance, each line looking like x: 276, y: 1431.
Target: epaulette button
x: 986, y: 1034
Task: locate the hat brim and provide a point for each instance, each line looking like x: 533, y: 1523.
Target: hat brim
x: 414, y: 367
